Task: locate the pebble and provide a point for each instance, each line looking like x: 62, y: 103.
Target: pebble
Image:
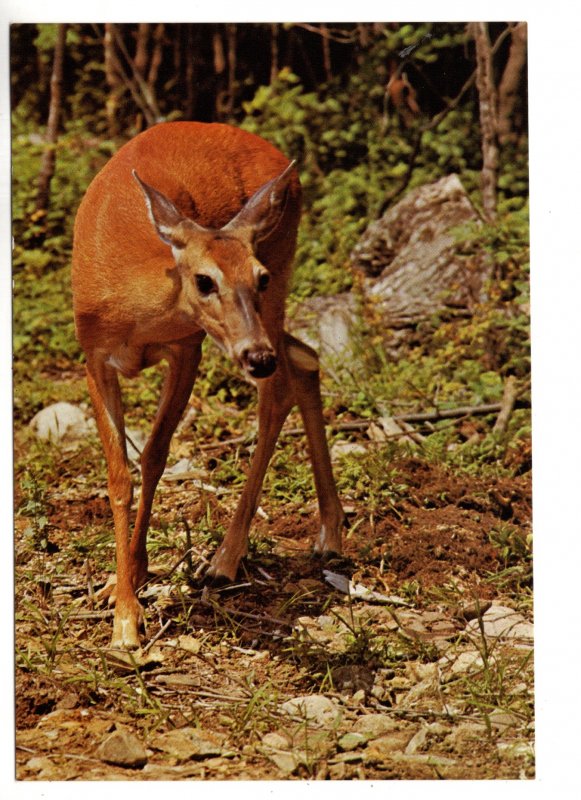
x: 61, y: 421
x: 316, y: 708
x: 188, y: 743
x: 123, y: 749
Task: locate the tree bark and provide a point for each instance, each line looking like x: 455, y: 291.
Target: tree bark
x: 190, y: 74
x: 488, y: 124
x: 510, y: 82
x: 326, y: 52
x: 114, y: 82
x: 141, y: 48
x: 48, y: 162
x: 156, y: 56
x: 274, y: 69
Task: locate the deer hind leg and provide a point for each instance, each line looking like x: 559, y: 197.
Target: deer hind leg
x: 304, y: 368
x: 183, y: 361
x: 106, y: 397
x: 274, y: 403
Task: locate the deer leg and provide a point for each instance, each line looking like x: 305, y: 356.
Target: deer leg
x: 304, y: 367
x: 274, y: 403
x: 106, y: 398
x: 183, y: 361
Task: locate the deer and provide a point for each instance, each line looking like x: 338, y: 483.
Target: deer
x: 189, y: 231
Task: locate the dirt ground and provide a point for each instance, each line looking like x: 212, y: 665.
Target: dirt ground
x: 283, y: 675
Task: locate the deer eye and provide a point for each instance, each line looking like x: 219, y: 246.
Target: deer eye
x: 205, y: 285
x: 263, y: 281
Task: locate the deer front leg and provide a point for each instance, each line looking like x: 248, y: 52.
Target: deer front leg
x: 304, y: 366
x: 106, y: 397
x: 183, y: 359
x: 274, y: 403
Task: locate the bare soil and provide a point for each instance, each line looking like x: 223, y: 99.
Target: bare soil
x: 224, y: 663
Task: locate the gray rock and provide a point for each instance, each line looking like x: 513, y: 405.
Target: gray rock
x: 315, y: 708
x: 62, y: 422
x: 374, y: 725
x: 188, y: 743
x: 502, y: 622
x: 413, y: 269
x: 411, y: 253
x: 123, y: 749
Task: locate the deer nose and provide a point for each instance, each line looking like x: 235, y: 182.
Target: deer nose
x: 259, y: 363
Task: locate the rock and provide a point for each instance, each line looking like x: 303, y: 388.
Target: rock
x: 351, y: 741
x: 504, y: 719
x: 413, y: 269
x: 386, y: 745
x: 62, y: 422
x: 342, y: 449
x: 315, y: 708
x: 188, y: 743
x: 465, y: 736
x: 374, y: 725
x: 502, y: 622
x: 326, y: 323
x: 465, y: 663
x: 136, y: 441
x: 513, y: 750
x: 123, y: 749
x: 286, y: 762
x: 412, y: 256
x: 276, y: 741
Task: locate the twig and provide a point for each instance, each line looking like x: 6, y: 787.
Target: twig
x: 93, y: 614
x: 158, y: 635
x: 90, y: 590
x: 506, y: 406
x: 357, y: 425
x: 188, y: 553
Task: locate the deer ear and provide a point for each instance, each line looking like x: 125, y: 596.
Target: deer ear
x: 262, y: 212
x: 166, y: 218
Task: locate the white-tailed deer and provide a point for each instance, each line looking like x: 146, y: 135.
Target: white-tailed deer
x: 190, y: 229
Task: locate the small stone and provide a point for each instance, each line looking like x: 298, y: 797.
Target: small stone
x: 188, y: 743
x: 61, y: 421
x: 123, y: 749
x: 465, y: 663
x: 338, y: 771
x: 350, y: 741
x: 512, y: 750
x: 275, y: 741
x: 286, y: 762
x: 504, y: 719
x: 315, y: 708
x: 384, y: 746
x: 502, y: 622
x: 68, y: 701
x: 373, y: 725
x: 342, y: 449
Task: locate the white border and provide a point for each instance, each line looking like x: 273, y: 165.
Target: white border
x: 554, y: 45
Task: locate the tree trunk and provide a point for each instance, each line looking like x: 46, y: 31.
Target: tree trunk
x: 47, y: 166
x: 156, y: 56
x: 231, y: 32
x: 141, y: 47
x: 326, y: 52
x: 114, y: 82
x: 190, y: 74
x: 274, y: 69
x: 510, y: 81
x: 488, y: 125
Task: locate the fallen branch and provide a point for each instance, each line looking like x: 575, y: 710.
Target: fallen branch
x: 363, y: 424
x: 507, y: 405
